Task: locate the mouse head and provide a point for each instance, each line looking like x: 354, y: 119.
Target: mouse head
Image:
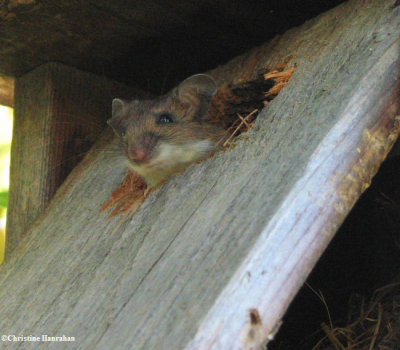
x: 164, y: 135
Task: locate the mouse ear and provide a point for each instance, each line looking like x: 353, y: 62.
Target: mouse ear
x: 116, y: 122
x: 197, y: 86
x: 117, y: 106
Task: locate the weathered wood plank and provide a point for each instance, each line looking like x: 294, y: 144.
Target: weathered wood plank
x: 151, y: 33
x: 6, y: 91
x: 59, y: 113
x: 237, y: 232
x: 128, y: 29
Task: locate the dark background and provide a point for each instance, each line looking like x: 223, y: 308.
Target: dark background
x: 152, y: 44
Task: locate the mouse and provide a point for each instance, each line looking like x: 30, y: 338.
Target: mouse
x: 163, y: 136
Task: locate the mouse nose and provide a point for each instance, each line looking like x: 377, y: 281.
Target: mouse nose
x: 139, y: 155
x: 142, y: 148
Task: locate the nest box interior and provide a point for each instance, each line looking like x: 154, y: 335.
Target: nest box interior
x: 152, y: 45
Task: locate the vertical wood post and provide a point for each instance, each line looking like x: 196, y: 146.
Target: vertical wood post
x: 6, y: 91
x: 58, y: 114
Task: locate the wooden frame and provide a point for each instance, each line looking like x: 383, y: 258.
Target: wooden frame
x: 7, y: 91
x: 59, y: 113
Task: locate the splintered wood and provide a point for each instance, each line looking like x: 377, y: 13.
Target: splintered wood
x: 281, y: 78
x: 128, y: 196
x: 234, y: 107
x: 242, y: 124
x: 278, y: 79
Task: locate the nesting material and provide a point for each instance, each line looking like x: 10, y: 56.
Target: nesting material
x: 374, y: 325
x: 128, y: 196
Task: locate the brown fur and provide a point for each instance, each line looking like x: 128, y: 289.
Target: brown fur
x: 136, y: 123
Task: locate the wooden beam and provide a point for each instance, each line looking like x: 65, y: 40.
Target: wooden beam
x: 76, y: 38
x: 233, y: 236
x: 59, y: 113
x: 151, y: 32
x: 7, y: 91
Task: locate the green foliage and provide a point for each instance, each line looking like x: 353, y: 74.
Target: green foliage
x: 4, y: 149
x: 4, y: 199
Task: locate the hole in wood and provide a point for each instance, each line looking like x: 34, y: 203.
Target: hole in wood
x: 234, y: 107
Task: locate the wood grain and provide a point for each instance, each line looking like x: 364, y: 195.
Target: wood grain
x: 235, y: 235
x: 7, y: 91
x: 155, y: 42
x: 59, y: 113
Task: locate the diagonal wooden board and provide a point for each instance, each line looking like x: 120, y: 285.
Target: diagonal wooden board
x: 240, y: 231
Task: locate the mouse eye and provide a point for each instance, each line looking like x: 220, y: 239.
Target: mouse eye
x: 165, y: 118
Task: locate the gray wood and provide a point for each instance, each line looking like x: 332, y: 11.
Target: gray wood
x: 239, y: 231
x: 59, y: 113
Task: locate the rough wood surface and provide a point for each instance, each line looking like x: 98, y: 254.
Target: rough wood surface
x: 150, y: 41
x: 240, y: 231
x: 6, y: 91
x: 59, y: 113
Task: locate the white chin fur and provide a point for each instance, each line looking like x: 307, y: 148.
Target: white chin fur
x: 181, y: 154
x: 171, y: 159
